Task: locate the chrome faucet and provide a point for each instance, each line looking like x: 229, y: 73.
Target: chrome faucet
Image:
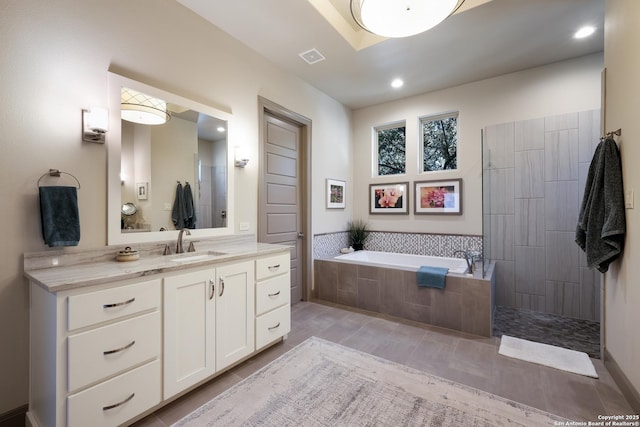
x: 468, y: 256
x: 179, y: 248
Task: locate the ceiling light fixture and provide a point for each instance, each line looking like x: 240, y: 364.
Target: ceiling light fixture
x: 140, y: 108
x: 397, y: 83
x: 401, y: 18
x: 585, y: 31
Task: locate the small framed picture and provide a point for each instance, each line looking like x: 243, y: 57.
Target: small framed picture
x: 439, y: 197
x: 335, y: 194
x: 389, y: 198
x: 142, y: 190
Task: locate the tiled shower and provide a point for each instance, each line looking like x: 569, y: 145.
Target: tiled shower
x: 534, y: 173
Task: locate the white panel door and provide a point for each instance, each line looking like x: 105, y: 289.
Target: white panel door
x: 189, y: 329
x: 235, y: 327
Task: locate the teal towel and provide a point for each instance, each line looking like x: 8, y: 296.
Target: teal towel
x: 59, y: 216
x: 433, y: 277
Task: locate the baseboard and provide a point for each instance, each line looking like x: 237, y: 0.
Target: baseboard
x: 14, y: 418
x: 627, y: 389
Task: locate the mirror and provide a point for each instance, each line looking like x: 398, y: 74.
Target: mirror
x: 170, y: 175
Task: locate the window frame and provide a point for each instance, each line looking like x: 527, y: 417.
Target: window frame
x: 433, y: 117
x: 375, y: 146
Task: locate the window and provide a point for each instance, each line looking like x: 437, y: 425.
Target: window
x: 439, y: 142
x: 391, y: 149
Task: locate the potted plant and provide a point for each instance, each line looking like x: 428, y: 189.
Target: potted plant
x: 358, y: 233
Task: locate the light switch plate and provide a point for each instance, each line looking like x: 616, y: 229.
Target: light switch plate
x: 244, y: 226
x: 167, y: 206
x: 628, y: 199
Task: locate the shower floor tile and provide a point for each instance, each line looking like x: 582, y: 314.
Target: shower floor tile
x: 574, y: 334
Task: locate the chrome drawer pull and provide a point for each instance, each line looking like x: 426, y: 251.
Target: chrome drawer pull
x: 118, y: 350
x: 275, y: 295
x: 118, y: 304
x: 274, y: 327
x: 213, y: 288
x: 221, y: 287
x: 273, y: 267
x: 115, y: 405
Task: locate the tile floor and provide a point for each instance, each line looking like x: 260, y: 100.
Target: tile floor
x: 468, y: 359
x: 575, y: 334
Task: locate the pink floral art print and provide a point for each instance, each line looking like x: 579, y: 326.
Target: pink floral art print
x: 389, y: 198
x: 438, y: 197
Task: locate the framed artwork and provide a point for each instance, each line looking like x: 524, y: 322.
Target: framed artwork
x: 389, y: 198
x: 439, y: 197
x: 335, y: 194
x: 142, y: 190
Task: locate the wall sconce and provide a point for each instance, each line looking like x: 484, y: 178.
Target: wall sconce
x: 95, y: 123
x: 241, y: 157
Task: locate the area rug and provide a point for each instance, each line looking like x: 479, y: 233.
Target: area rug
x: 564, y: 359
x: 319, y: 383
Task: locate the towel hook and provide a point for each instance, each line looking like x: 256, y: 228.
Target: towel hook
x: 56, y: 173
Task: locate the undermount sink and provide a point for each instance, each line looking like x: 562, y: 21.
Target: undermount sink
x: 194, y: 257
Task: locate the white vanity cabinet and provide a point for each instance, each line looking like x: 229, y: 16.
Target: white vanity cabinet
x: 95, y: 355
x: 208, y: 323
x: 105, y: 350
x: 273, y: 299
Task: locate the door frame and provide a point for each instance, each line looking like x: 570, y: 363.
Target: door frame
x: 304, y: 180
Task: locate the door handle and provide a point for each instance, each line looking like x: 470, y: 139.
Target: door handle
x: 300, y: 235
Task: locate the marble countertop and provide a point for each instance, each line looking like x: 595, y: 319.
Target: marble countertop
x: 60, y: 271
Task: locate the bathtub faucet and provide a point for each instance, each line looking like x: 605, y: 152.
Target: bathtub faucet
x: 468, y: 256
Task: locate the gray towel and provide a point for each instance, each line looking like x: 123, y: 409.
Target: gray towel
x: 179, y: 212
x: 601, y: 222
x: 190, y: 219
x: 59, y: 216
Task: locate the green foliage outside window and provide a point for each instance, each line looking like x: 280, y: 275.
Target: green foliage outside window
x: 391, y: 151
x: 440, y: 143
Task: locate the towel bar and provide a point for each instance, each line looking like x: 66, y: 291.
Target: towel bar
x: 56, y: 173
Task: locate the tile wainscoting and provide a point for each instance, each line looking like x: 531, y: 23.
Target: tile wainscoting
x: 328, y: 245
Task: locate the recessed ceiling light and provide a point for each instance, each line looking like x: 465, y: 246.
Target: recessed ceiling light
x: 585, y: 31
x: 220, y: 129
x: 397, y: 83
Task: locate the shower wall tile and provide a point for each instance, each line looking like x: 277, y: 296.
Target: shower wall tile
x: 589, y: 294
x: 529, y: 135
x: 505, y: 283
x: 529, y: 222
x: 502, y: 228
x: 561, y: 155
x: 530, y: 302
x: 529, y: 270
x: 563, y: 298
x: 529, y: 173
x: 588, y: 134
x: 583, y: 172
x: 502, y: 191
x: 562, y: 257
x: 561, y: 122
x: 562, y: 205
x: 499, y: 140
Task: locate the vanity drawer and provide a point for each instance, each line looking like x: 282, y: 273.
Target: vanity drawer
x: 117, y: 400
x: 100, y: 306
x: 273, y: 325
x: 105, y: 351
x: 272, y: 293
x: 272, y: 266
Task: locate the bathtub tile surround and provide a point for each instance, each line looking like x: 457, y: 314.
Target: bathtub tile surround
x: 537, y: 171
x: 464, y: 305
x: 329, y: 245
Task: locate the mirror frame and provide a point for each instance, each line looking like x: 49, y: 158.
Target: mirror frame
x: 114, y: 148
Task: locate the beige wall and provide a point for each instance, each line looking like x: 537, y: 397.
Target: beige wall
x: 563, y: 87
x: 622, y: 106
x: 54, y: 58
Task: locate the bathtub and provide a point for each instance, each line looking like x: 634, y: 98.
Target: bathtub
x: 386, y: 283
x: 403, y: 261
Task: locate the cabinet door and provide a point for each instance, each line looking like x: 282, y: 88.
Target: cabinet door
x: 235, y: 329
x: 189, y: 329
